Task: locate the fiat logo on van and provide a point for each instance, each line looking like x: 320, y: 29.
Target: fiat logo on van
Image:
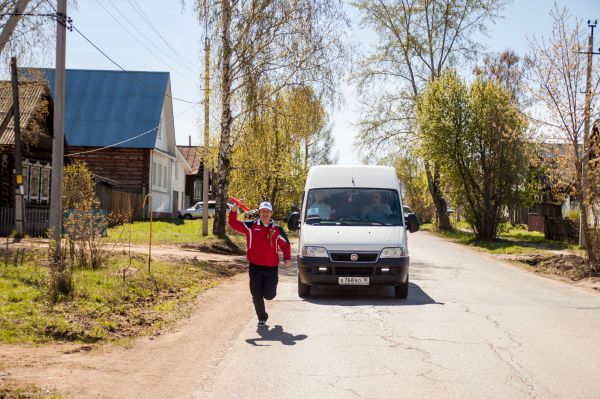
x: 354, y: 257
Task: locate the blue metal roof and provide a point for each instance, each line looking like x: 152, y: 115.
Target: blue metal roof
x: 107, y: 107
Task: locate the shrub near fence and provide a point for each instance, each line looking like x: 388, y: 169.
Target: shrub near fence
x: 37, y: 220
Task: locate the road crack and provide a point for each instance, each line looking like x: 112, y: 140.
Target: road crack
x: 517, y: 369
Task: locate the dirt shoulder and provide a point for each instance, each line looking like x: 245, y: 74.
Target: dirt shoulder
x: 168, y: 365
x: 564, y: 266
x: 171, y: 363
x: 200, y: 253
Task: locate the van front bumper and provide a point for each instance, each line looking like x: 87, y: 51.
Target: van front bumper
x: 309, y: 273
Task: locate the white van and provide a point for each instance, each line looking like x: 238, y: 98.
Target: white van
x: 352, y: 229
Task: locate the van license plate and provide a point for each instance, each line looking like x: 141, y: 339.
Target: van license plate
x: 353, y: 280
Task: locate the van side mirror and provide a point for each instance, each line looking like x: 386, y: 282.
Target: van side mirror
x: 412, y: 222
x: 293, y: 221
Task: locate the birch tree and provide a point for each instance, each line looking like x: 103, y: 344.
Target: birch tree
x: 270, y: 156
x: 417, y: 39
x: 268, y: 43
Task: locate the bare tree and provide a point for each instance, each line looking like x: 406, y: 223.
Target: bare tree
x: 508, y: 70
x: 558, y: 85
x: 32, y: 40
x: 268, y: 43
x: 417, y: 40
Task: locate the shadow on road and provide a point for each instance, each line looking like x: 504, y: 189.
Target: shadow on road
x: 369, y: 296
x: 275, y: 334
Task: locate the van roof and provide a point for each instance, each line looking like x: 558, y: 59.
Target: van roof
x: 371, y: 176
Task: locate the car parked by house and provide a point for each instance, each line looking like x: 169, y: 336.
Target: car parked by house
x: 195, y: 212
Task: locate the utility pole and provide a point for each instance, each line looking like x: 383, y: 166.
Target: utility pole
x: 19, y: 201
x: 12, y: 23
x: 583, y: 218
x: 206, y: 136
x: 58, y: 142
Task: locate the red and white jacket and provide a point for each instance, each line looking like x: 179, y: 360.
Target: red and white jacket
x: 262, y: 241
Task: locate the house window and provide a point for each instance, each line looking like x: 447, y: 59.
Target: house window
x: 154, y: 173
x: 159, y: 175
x: 197, y: 190
x: 45, y: 189
x: 35, y: 183
x: 176, y: 173
x: 165, y: 176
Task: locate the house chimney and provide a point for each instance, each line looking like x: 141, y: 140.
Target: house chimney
x: 190, y: 140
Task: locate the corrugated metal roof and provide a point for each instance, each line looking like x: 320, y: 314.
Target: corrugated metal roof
x: 31, y: 96
x: 106, y: 107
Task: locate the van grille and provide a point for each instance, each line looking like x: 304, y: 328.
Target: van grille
x: 354, y: 271
x: 362, y: 256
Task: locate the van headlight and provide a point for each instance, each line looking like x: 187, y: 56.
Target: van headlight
x: 315, y: 252
x: 395, y: 252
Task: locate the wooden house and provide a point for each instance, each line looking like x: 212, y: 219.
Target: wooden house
x: 121, y: 124
x: 195, y: 175
x: 35, y: 106
x: 36, y: 130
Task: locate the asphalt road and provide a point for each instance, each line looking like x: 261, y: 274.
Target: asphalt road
x: 472, y: 327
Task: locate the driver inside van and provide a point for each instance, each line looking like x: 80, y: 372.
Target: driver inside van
x: 319, y: 207
x: 376, y: 208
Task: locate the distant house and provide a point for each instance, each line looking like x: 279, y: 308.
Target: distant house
x: 121, y: 124
x: 194, y: 176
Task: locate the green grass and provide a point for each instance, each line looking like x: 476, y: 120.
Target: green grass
x: 26, y: 392
x: 513, y: 241
x: 174, y: 231
x: 104, y: 306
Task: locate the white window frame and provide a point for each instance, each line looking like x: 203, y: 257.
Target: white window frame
x: 35, y: 187
x: 45, y: 184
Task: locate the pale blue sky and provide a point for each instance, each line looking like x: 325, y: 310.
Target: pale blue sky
x: 522, y: 19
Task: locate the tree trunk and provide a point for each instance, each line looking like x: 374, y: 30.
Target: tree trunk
x: 224, y: 164
x: 441, y: 208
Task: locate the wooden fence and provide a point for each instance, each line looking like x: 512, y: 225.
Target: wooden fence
x: 36, y: 220
x: 557, y: 229
x: 123, y: 201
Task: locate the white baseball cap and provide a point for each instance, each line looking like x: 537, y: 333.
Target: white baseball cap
x: 265, y: 205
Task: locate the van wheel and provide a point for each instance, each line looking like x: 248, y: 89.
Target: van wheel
x: 303, y: 289
x: 401, y: 291
x: 187, y: 216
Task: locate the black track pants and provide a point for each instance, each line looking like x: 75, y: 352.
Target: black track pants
x: 263, y: 285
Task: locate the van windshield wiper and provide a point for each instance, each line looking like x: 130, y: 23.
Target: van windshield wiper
x: 313, y: 220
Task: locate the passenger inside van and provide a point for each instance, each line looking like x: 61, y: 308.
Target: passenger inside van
x: 319, y: 207
x: 376, y: 210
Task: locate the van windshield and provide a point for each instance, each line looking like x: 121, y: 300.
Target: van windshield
x: 353, y: 206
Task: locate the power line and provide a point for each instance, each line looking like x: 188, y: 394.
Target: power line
x: 130, y: 138
x: 144, y: 16
x: 73, y: 27
x: 124, y: 16
x: 138, y: 40
x: 131, y: 74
